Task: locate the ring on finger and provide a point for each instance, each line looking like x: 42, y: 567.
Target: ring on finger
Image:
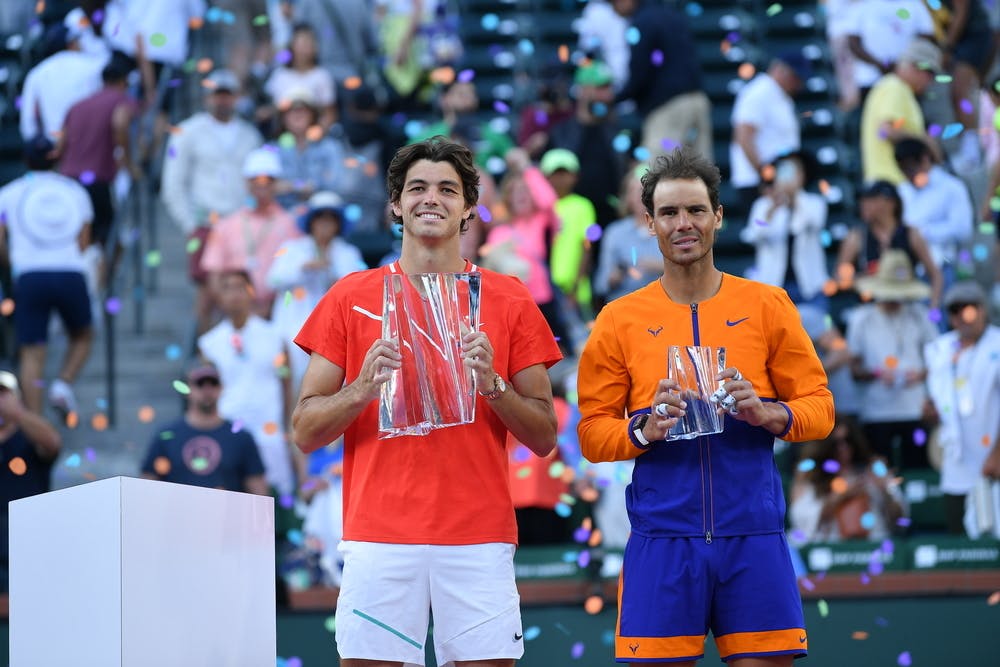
x: 661, y: 409
x: 728, y: 403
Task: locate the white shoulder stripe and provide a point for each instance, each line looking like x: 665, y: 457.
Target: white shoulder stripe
x: 367, y: 313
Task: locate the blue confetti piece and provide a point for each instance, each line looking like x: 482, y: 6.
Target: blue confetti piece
x: 563, y: 510
x: 806, y: 465
x: 73, y: 461
x: 632, y: 35
x: 489, y: 21
x: 532, y: 633
x: 952, y: 130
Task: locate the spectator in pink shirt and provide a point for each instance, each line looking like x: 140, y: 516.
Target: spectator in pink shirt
x: 249, y: 238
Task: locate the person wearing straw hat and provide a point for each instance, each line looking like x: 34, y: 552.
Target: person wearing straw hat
x: 886, y: 340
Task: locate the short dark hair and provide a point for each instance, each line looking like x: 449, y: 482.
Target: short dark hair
x: 436, y: 149
x: 239, y: 272
x: 38, y: 154
x: 910, y: 149
x: 683, y: 163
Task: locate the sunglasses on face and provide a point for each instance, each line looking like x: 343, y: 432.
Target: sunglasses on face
x: 956, y: 308
x: 207, y: 382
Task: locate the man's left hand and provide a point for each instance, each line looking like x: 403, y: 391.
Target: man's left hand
x: 477, y: 355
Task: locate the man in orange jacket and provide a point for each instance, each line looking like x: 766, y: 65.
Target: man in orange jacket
x: 707, y: 549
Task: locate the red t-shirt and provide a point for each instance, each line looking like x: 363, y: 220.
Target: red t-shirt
x: 449, y: 486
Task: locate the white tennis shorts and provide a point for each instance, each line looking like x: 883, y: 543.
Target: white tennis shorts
x: 389, y: 591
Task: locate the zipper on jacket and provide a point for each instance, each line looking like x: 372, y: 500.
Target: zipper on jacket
x: 694, y: 324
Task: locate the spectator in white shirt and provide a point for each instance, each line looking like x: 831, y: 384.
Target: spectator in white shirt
x: 765, y: 123
x: 936, y: 203
x: 57, y: 83
x: 878, y: 33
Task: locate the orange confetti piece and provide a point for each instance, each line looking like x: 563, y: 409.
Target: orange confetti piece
x: 204, y: 65
x: 593, y: 605
x: 859, y: 635
x: 589, y: 495
x: 270, y: 428
x: 767, y: 173
x: 18, y: 466
x: 314, y: 133
x: 213, y: 217
x: 40, y: 7
x: 563, y: 53
x: 99, y: 422
x: 442, y: 75
x: 146, y: 414
x: 352, y: 82
x: 196, y: 23
x: 587, y: 523
x: 596, y: 537
x: 162, y: 466
x: 838, y: 485
x: 72, y: 420
x: 280, y: 359
x: 299, y: 293
x: 986, y: 441
x: 351, y: 162
x: 6, y: 307
x: 725, y: 46
x: 824, y: 187
x: 746, y: 71
x: 993, y: 599
x: 897, y: 124
x: 370, y: 169
x: 891, y: 362
x: 838, y: 343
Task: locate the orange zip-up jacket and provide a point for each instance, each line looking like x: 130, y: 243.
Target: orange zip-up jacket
x: 725, y: 484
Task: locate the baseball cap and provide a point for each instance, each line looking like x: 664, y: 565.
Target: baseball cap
x: 222, y: 80
x: 797, y: 62
x: 559, y: 158
x: 201, y: 370
x: 262, y: 162
x: 593, y: 73
x: 964, y: 292
x: 323, y: 201
x: 923, y: 54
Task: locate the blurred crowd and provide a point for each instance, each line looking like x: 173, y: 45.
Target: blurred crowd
x: 270, y: 157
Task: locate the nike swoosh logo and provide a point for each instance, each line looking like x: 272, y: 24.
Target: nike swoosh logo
x: 802, y: 640
x: 733, y: 324
x: 517, y: 637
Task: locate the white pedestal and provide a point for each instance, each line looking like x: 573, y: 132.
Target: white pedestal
x: 128, y: 572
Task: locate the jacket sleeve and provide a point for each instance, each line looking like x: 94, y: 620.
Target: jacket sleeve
x: 175, y: 190
x: 602, y: 388
x: 797, y: 374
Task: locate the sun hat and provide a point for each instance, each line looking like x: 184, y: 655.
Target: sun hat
x: 894, y: 280
x: 262, y: 162
x: 559, y: 158
x: 323, y: 201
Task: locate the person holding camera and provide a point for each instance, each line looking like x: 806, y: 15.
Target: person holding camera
x: 785, y: 226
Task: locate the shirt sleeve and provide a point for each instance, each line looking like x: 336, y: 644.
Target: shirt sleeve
x: 175, y: 192
x: 797, y: 374
x: 325, y: 330
x: 602, y: 389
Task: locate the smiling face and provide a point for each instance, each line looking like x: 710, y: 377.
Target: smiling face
x: 432, y: 202
x: 683, y: 221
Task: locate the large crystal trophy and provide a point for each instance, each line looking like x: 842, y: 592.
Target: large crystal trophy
x: 694, y: 368
x: 428, y: 314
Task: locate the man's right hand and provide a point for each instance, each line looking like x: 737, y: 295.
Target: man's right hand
x: 658, y: 425
x: 382, y: 359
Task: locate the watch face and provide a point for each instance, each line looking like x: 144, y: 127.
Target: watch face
x: 500, y: 385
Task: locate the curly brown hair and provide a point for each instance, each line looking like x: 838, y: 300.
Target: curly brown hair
x: 436, y: 149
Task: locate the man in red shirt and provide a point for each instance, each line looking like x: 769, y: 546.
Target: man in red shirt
x: 428, y: 520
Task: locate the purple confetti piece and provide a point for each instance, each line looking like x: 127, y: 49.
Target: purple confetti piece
x: 798, y: 535
x: 669, y: 144
x: 542, y: 118
x: 919, y: 437
x: 656, y: 57
x: 293, y: 662
x: 904, y: 659
x: 98, y: 17
x: 501, y: 107
x: 466, y: 75
x: 865, y: 579
x: 88, y: 177
x: 934, y: 315
x: 172, y: 151
x: 934, y: 130
x: 888, y: 547
x: 287, y: 501
x: 881, y: 621
x: 577, y: 650
x: 581, y: 535
x: 113, y: 306
x: 831, y: 466
x: 584, y: 558
x: 759, y: 221
x: 237, y: 426
x: 966, y: 106
x: 903, y: 521
x: 820, y: 576
x: 807, y: 584
x: 90, y: 454
x: 733, y: 37
x: 283, y: 57
x: 484, y: 214
x: 875, y: 567
x: 17, y: 102
x: 522, y: 454
x: 594, y: 232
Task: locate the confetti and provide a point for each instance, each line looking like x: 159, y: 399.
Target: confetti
x: 556, y: 469
x: 99, y: 422
x: 73, y: 461
x: 952, y: 130
x: 859, y: 635
x: 904, y: 659
x: 88, y: 177
x: 919, y: 437
x: 824, y: 608
x: 903, y: 13
x: 489, y: 21
x: 18, y: 466
x: 577, y: 651
x: 113, y: 305
x: 993, y: 599
x: 746, y: 71
x: 773, y: 10
x: 632, y: 35
x: 161, y: 466
x: 594, y: 233
x: 181, y: 387
x: 6, y: 307
x: 831, y: 466
x: 260, y: 20
x: 532, y: 633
